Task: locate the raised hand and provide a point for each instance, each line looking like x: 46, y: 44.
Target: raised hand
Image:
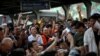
x: 6, y: 31
x: 19, y: 15
x: 78, y: 8
x: 27, y: 17
x: 79, y: 12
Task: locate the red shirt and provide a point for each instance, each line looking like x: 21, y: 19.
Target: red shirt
x: 45, y: 39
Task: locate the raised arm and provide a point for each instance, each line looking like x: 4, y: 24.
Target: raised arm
x: 41, y: 24
x: 53, y: 25
x: 79, y: 12
x: 27, y: 18
x: 70, y: 39
x: 19, y: 19
x: 6, y: 31
x: 50, y: 47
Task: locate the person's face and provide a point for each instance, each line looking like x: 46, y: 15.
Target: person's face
x: 35, y: 21
x: 33, y: 30
x: 1, y: 35
x: 88, y: 24
x: 35, y: 46
x: 92, y: 22
x: 45, y: 31
x: 56, y: 26
x: 49, y: 30
x: 17, y: 30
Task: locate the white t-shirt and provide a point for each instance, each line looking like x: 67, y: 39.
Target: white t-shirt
x: 89, y: 39
x: 38, y: 38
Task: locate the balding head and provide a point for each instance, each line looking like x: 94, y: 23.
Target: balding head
x: 6, y: 40
x: 6, y: 44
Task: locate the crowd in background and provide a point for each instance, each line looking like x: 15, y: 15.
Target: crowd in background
x: 53, y: 38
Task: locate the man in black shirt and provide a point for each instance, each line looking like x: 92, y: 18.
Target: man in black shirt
x: 97, y: 38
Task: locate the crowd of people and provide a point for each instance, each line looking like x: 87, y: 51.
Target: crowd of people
x: 53, y: 38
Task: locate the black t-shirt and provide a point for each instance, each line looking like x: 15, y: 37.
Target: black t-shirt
x: 97, y: 37
x: 14, y: 38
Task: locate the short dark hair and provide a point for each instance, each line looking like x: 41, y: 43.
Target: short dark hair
x: 79, y: 24
x: 30, y: 44
x: 49, y: 26
x: 18, y: 52
x: 74, y: 23
x: 95, y: 16
x: 84, y: 20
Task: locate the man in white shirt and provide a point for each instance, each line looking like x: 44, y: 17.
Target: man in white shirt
x: 91, y: 40
x: 34, y: 36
